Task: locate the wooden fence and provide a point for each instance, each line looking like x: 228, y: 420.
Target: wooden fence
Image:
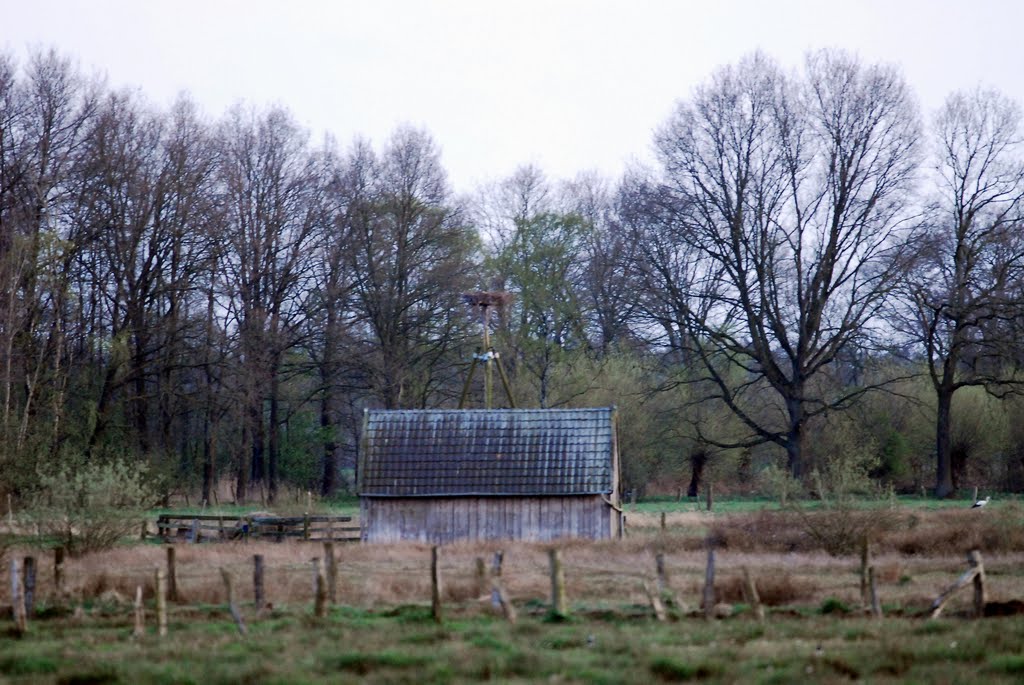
x: 211, y: 527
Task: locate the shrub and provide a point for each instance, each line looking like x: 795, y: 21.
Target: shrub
x: 90, y: 506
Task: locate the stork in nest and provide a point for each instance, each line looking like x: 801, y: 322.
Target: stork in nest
x: 487, y: 298
x: 980, y: 503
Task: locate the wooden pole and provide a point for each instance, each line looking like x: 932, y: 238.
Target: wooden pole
x: 711, y: 496
x: 161, y: 602
x: 503, y: 601
x: 58, y: 571
x: 974, y: 560
x: 558, y: 603
x: 659, y: 566
x: 876, y: 606
x: 656, y: 603
x: 662, y: 522
x: 480, y: 567
x: 10, y: 513
x: 976, y: 568
x: 17, y: 601
x: 435, y: 585
x: 865, y: 558
x: 496, y: 563
x: 320, y: 588
x: 232, y: 607
x: 144, y: 530
x: 257, y: 582
x: 140, y: 615
x: 305, y: 526
x: 172, y: 574
x: 29, y: 583
x: 975, y: 499
x: 752, y: 596
x: 332, y: 572
x: 709, y: 583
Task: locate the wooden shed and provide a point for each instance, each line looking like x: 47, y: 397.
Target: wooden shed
x: 485, y: 474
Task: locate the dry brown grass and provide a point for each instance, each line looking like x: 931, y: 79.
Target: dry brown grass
x: 912, y: 565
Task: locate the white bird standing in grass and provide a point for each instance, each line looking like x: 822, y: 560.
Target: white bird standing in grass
x: 980, y: 503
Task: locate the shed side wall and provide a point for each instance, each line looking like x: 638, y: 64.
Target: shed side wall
x: 446, y: 519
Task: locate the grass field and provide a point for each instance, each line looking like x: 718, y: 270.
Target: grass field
x: 381, y: 629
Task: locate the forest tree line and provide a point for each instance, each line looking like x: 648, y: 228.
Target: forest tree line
x: 814, y: 280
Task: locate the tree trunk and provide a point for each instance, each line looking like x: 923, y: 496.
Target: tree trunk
x: 795, y: 438
x: 943, y: 444
x: 698, y: 460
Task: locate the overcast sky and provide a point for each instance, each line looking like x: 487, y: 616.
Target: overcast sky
x: 569, y: 86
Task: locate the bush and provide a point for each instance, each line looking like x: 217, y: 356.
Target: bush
x: 90, y: 506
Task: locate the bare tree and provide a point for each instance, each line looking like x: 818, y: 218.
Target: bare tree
x: 965, y: 293
x: 412, y: 254
x: 792, y: 192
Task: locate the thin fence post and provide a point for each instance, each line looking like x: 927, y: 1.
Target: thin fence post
x: 711, y: 496
x: 435, y: 585
x: 58, y: 571
x: 144, y: 530
x: 232, y: 607
x: 140, y: 615
x: 17, y: 601
x: 656, y: 604
x: 257, y: 582
x: 558, y: 601
x: 753, y: 598
x: 172, y: 574
x: 659, y: 566
x: 29, y: 583
x: 161, y: 602
x: 974, y: 559
x: 876, y: 605
x: 332, y: 572
x: 305, y: 526
x: 480, y: 572
x: 503, y: 601
x: 496, y: 562
x: 662, y: 522
x: 709, y: 583
x: 865, y: 559
x: 319, y: 588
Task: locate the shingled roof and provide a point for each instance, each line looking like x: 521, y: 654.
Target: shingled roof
x: 431, y: 453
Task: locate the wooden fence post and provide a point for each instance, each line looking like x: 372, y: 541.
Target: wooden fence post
x: 496, y: 562
x: 558, y: 602
x: 865, y: 559
x: 975, y: 573
x: 876, y: 606
x: 662, y: 522
x: 140, y: 615
x: 332, y: 572
x: 480, y: 568
x: 172, y: 574
x: 161, y: 602
x: 305, y: 526
x: 503, y: 601
x: 257, y: 582
x: 711, y: 496
x: 29, y: 584
x: 709, y: 582
x: 435, y: 585
x: 144, y: 530
x: 656, y: 604
x: 58, y: 571
x: 974, y: 560
x: 319, y: 589
x: 752, y: 596
x: 17, y: 601
x: 232, y: 607
x: 659, y: 567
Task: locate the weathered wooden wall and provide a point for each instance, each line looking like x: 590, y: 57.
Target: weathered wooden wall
x: 440, y: 520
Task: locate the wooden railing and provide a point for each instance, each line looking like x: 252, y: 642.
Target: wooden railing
x: 211, y: 527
